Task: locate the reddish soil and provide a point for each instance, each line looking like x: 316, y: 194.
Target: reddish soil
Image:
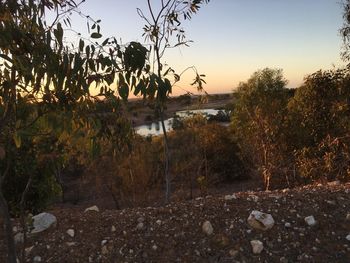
x: 174, y: 233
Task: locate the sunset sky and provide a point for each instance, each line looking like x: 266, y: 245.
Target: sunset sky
x: 234, y: 38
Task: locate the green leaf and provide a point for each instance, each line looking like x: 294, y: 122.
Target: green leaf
x: 17, y: 139
x: 81, y: 45
x: 123, y: 90
x: 96, y: 35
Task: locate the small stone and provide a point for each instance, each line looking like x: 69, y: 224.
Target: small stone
x: 43, y: 221
x: 70, y: 232
x: 37, y: 259
x: 207, y: 228
x: 260, y: 220
x: 158, y: 222
x: 140, y: 226
x: 233, y: 253
x: 154, y: 247
x: 348, y: 237
x: 283, y: 260
x: 287, y: 225
x: 348, y: 217
x: 257, y: 246
x: 92, y: 208
x: 113, y: 229
x: 310, y: 220
x: 104, y: 250
x: 230, y: 197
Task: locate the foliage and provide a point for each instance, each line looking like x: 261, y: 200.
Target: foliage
x: 258, y: 121
x: 161, y: 28
x: 345, y: 31
x: 329, y: 161
x: 320, y: 108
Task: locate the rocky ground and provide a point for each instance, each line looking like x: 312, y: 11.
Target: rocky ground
x: 309, y: 224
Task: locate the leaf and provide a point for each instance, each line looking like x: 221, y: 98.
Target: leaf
x: 81, y: 45
x: 17, y: 140
x: 96, y: 35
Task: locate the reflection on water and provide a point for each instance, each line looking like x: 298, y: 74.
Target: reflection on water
x: 155, y: 128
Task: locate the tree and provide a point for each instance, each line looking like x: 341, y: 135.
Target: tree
x: 259, y: 118
x: 163, y: 31
x: 345, y: 31
x: 319, y: 108
x: 39, y: 72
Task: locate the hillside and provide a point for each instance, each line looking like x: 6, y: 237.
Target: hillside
x: 175, y: 233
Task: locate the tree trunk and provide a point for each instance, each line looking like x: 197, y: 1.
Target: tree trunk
x: 167, y: 158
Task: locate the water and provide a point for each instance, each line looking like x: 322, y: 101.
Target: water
x: 155, y: 128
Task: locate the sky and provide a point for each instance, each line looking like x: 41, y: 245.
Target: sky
x: 234, y: 38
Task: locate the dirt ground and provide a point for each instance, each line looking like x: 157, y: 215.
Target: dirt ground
x: 173, y: 233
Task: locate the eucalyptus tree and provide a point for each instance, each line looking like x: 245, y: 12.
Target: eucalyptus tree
x: 163, y: 31
x: 40, y: 74
x: 345, y: 31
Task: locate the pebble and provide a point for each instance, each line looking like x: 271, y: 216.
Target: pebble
x: 233, y: 253
x: 230, y: 197
x: 104, y: 250
x: 92, y: 208
x: 257, y: 246
x: 348, y: 237
x: 348, y: 217
x: 140, y: 226
x: 113, y: 229
x: 37, y: 259
x: 154, y: 247
x: 288, y: 225
x: 310, y: 220
x: 70, y: 232
x: 207, y: 228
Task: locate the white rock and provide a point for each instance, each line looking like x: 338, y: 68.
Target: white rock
x: 207, y: 228
x: 257, y: 246
x: 70, y: 232
x: 230, y: 197
x: 310, y: 220
x: 92, y: 208
x: 158, y: 222
x: 287, y: 225
x: 113, y: 229
x: 37, y: 259
x: 348, y: 237
x: 260, y: 220
x: 348, y: 217
x: 154, y: 247
x: 43, y: 221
